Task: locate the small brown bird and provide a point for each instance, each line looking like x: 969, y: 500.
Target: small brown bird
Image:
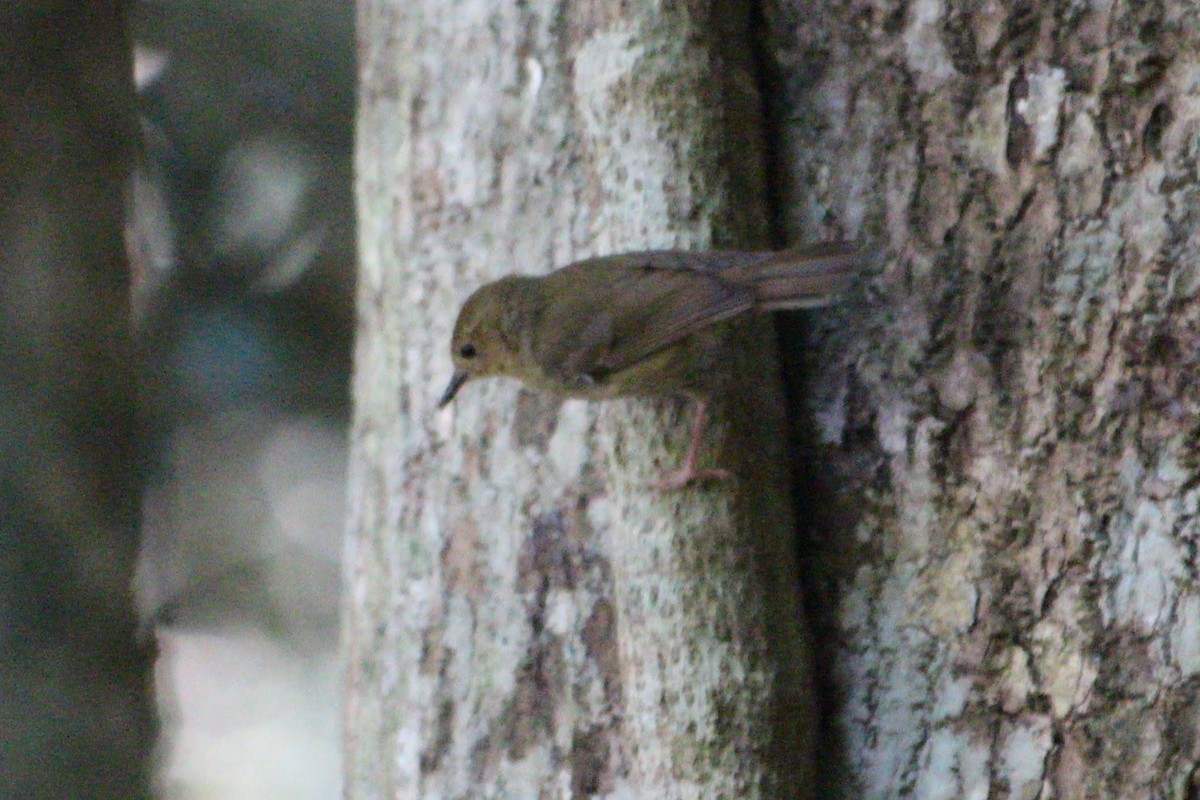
x: 649, y: 323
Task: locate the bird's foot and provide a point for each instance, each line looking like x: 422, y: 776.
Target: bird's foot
x: 683, y: 478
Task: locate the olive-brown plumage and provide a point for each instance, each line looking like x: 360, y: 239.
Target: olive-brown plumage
x: 646, y: 323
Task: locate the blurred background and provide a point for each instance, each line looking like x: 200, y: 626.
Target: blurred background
x: 241, y: 237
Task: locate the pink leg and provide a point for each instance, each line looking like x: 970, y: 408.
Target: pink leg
x: 688, y: 474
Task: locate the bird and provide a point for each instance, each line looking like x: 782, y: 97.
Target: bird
x: 649, y: 323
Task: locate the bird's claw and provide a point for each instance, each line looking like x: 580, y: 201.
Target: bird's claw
x: 683, y: 478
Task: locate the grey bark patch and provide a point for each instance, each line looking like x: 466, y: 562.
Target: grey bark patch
x: 528, y: 719
x: 547, y: 559
x: 591, y: 770
x: 460, y: 560
x: 599, y: 637
x: 438, y: 745
x: 535, y: 419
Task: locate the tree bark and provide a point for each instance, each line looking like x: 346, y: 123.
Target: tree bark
x: 75, y: 711
x: 528, y: 619
x: 1003, y: 466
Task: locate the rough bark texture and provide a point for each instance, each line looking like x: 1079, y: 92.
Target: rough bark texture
x: 1006, y: 422
x: 527, y: 619
x: 75, y: 716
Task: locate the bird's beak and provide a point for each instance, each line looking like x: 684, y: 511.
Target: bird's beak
x: 455, y: 384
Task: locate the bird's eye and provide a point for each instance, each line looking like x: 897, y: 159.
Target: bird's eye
x: 467, y: 351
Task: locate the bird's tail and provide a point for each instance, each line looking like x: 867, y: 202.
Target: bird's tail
x: 805, y: 277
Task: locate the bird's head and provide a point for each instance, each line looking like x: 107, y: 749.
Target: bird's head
x: 482, y: 344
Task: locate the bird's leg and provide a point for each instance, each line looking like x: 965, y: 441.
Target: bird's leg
x: 688, y: 474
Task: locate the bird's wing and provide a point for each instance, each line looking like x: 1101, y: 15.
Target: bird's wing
x: 610, y: 313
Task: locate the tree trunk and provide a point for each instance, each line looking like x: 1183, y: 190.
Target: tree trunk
x: 75, y: 712
x: 1003, y: 467
x: 527, y: 618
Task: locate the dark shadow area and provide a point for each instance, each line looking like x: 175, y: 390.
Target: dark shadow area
x: 823, y: 526
x: 823, y: 522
